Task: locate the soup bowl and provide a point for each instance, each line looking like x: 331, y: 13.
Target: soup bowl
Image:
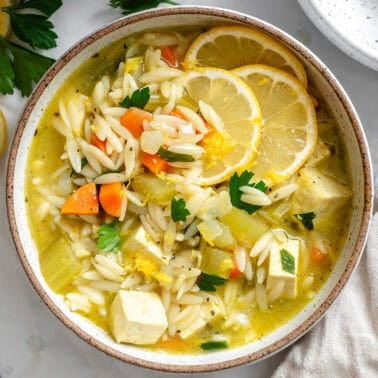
x: 351, y: 133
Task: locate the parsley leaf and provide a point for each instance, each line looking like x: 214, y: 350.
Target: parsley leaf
x: 34, y: 29
x: 26, y: 67
x: 6, y: 74
x: 287, y: 261
x: 207, y: 282
x: 214, y: 345
x: 178, y: 210
x: 138, y: 99
x: 173, y: 156
x: 47, y: 7
x: 132, y: 6
x: 306, y: 219
x: 236, y: 182
x: 109, y: 239
x: 83, y: 163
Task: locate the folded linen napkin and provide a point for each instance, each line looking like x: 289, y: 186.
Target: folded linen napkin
x: 345, y: 342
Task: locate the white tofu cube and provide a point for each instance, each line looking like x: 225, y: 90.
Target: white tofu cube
x: 318, y: 192
x: 142, y: 242
x: 138, y: 317
x: 209, y: 312
x: 278, y: 267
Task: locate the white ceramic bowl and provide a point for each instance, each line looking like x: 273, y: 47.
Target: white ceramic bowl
x: 352, y: 135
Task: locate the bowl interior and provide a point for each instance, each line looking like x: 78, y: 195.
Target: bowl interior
x: 351, y: 133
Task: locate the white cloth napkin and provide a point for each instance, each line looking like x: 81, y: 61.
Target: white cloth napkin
x: 345, y: 342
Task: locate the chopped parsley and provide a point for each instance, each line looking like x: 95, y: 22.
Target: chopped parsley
x: 306, y: 219
x: 109, y: 239
x: 173, y: 156
x: 132, y: 6
x: 236, y: 182
x: 207, y: 282
x: 214, y: 345
x: 287, y: 261
x: 138, y: 99
x: 179, y: 212
x: 83, y: 163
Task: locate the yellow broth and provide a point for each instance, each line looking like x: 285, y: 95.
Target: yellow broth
x: 45, y: 158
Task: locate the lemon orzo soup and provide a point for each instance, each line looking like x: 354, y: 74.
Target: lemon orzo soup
x: 184, y: 200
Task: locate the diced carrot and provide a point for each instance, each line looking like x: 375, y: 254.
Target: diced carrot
x: 154, y: 163
x: 168, y: 53
x: 176, y: 113
x: 100, y: 144
x: 133, y: 120
x: 174, y: 344
x: 235, y: 273
x: 83, y: 201
x: 111, y: 198
x: 317, y: 255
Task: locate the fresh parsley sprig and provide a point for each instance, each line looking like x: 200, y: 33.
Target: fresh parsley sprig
x: 132, y: 6
x: 174, y: 156
x: 306, y: 219
x: 287, y: 261
x: 179, y: 212
x: 207, y: 282
x: 214, y: 345
x: 20, y: 67
x: 138, y: 99
x: 34, y: 27
x: 236, y: 182
x: 109, y: 239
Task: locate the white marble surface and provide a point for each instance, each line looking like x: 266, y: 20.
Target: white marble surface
x: 33, y: 343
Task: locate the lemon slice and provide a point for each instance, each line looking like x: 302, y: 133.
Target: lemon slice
x: 5, y: 27
x: 3, y: 133
x: 234, y: 146
x: 289, y: 131
x: 234, y: 46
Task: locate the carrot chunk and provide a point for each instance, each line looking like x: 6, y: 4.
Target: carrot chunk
x: 154, y: 163
x: 83, y: 201
x: 111, y: 198
x: 100, y: 144
x: 317, y: 255
x: 133, y: 120
x: 235, y: 273
x: 168, y: 53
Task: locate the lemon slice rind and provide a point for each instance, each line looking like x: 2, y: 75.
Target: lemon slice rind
x: 207, y: 50
x: 239, y: 109
x: 289, y: 133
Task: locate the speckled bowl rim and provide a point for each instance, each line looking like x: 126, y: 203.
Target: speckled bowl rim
x: 306, y: 54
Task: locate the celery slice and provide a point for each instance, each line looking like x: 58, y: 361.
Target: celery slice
x: 59, y: 265
x: 246, y: 228
x: 216, y: 261
x: 154, y: 188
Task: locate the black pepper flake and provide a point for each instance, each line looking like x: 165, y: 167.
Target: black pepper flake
x: 95, y: 55
x: 36, y: 132
x: 56, y: 114
x: 125, y: 46
x: 212, y: 312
